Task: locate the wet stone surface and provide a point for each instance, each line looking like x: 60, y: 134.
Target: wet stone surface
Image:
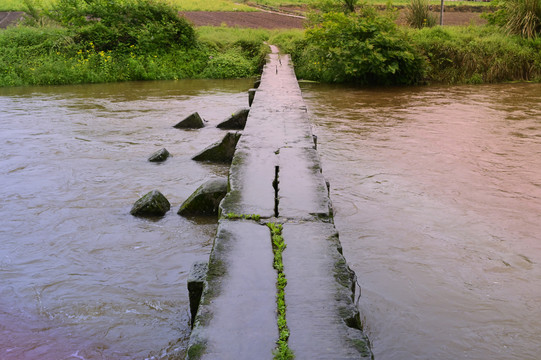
x: 237, y: 120
x: 159, y: 156
x: 206, y: 199
x: 276, y: 174
x: 220, y: 152
x: 154, y: 203
x: 322, y: 319
x: 236, y: 318
x: 192, y: 121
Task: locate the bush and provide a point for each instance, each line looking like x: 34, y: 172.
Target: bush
x: 361, y: 48
x: 478, y: 54
x: 418, y: 14
x: 48, y: 55
x: 519, y: 17
x: 119, y: 24
x: 227, y: 65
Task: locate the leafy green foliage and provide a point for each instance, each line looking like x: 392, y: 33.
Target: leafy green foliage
x: 47, y: 55
x: 478, y: 55
x: 230, y: 64
x: 523, y: 17
x: 362, y: 48
x: 418, y: 14
x: 119, y: 24
x: 520, y: 17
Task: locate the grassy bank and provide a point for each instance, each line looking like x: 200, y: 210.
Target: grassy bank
x: 375, y: 51
x: 47, y: 56
x: 131, y: 41
x: 134, y: 40
x: 477, y: 54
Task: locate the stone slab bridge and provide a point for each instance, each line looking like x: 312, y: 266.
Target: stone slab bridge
x: 275, y: 177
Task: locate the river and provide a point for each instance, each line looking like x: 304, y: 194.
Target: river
x: 81, y: 278
x: 437, y: 197
x: 436, y: 192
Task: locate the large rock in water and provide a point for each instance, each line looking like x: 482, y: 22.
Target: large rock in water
x: 192, y: 121
x: 159, y: 156
x: 237, y: 121
x: 206, y: 199
x: 221, y: 152
x: 151, y: 204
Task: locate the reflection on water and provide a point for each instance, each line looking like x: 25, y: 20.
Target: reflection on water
x: 81, y: 278
x: 437, y: 195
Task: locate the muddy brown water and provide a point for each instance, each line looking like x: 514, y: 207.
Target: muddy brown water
x: 80, y: 277
x: 436, y: 190
x: 437, y: 196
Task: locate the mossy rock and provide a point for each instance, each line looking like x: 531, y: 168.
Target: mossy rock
x: 206, y: 199
x: 151, y: 204
x: 237, y: 120
x: 192, y: 121
x: 220, y: 152
x: 159, y: 156
x: 251, y: 96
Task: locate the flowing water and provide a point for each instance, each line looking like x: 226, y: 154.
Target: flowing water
x: 437, y: 197
x: 80, y: 277
x: 436, y: 190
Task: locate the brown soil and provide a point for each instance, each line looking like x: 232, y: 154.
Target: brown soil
x: 269, y: 20
x: 272, y: 20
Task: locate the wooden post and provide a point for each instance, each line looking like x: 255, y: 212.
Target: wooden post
x: 441, y: 13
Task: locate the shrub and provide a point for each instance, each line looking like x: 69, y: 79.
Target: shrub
x: 520, y: 17
x: 119, y: 24
x: 227, y: 65
x: 418, y: 14
x: 361, y: 48
x: 478, y: 54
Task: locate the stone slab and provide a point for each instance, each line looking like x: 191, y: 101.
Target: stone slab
x: 302, y: 190
x: 322, y: 318
x: 237, y: 315
x: 251, y: 179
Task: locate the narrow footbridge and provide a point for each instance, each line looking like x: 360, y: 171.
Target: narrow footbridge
x: 276, y: 178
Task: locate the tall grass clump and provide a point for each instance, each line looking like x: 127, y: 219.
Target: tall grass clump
x: 519, y: 17
x: 418, y: 14
x: 362, y: 48
x: 478, y: 55
x: 523, y: 17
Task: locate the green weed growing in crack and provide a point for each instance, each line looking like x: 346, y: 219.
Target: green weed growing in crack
x: 282, y: 351
x: 243, y: 216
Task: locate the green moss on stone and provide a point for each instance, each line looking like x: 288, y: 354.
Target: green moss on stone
x: 196, y: 351
x: 363, y: 347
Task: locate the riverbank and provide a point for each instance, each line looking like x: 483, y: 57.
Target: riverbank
x: 230, y: 45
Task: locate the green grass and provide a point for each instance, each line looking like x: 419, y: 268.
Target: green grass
x: 282, y: 351
x: 183, y: 5
x: 477, y: 54
x: 278, y: 3
x: 48, y: 56
x: 209, y: 5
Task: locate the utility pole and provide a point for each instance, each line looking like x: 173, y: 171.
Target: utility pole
x: 441, y: 13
